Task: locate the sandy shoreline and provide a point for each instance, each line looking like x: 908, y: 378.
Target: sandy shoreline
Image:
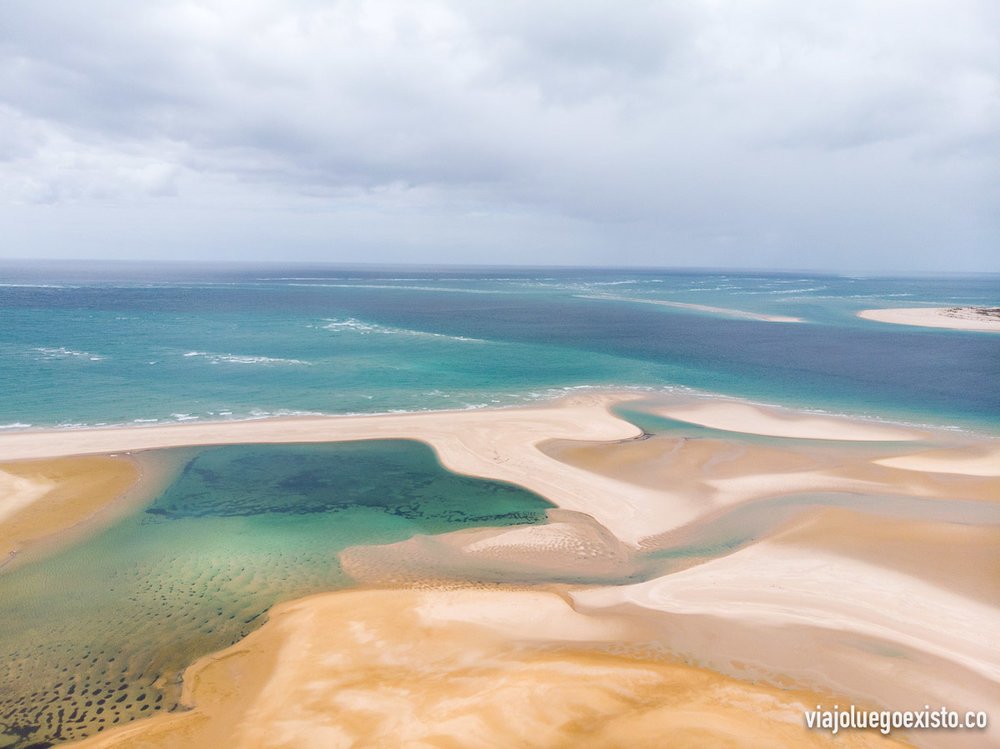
x: 957, y: 318
x: 866, y: 618
x: 42, y: 500
x: 466, y: 668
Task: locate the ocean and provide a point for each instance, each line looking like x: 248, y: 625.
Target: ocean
x: 84, y: 345
x: 98, y: 633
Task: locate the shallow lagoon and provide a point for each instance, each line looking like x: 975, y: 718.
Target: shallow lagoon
x: 98, y: 634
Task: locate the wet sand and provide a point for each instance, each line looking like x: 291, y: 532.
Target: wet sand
x: 813, y: 608
x: 472, y: 669
x: 43, y: 499
x: 957, y: 318
x: 497, y: 444
x: 735, y: 416
x: 974, y: 460
x: 887, y: 611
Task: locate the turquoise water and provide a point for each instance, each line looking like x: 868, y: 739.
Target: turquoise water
x: 97, y: 635
x: 115, y: 345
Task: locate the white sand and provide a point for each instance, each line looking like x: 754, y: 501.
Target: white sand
x: 734, y: 416
x: 501, y: 444
x: 776, y: 611
x: 495, y: 444
x: 792, y: 612
x: 961, y: 318
x: 977, y: 460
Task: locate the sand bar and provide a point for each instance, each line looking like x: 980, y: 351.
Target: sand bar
x: 793, y: 612
x: 957, y: 318
x: 974, y: 460
x: 495, y: 444
x: 40, y: 499
x: 642, y: 502
x: 735, y: 416
x: 725, y: 311
x: 889, y: 631
x: 466, y: 668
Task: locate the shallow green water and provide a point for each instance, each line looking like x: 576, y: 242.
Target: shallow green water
x: 99, y: 634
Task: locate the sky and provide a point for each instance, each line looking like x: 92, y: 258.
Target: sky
x: 829, y: 135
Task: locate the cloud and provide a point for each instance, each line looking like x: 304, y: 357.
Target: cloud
x: 790, y: 130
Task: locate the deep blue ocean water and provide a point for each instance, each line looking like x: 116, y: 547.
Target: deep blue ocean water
x: 89, y: 344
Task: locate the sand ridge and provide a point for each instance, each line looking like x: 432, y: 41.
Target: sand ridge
x: 799, y: 613
x: 496, y: 444
x: 956, y: 318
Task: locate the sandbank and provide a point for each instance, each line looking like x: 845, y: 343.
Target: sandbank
x: 957, y: 318
x: 817, y: 607
x: 973, y: 460
x: 571, y: 546
x: 791, y: 611
x: 635, y: 500
x: 494, y: 444
x: 725, y: 311
x: 466, y: 668
x: 40, y: 499
x: 736, y: 416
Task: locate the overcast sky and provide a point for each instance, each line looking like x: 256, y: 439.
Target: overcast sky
x: 835, y: 134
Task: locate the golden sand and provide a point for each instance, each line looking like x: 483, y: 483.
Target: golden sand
x: 890, y: 612
x: 840, y: 619
x: 957, y: 318
x: 44, y: 498
x: 957, y: 557
x: 715, y: 473
x: 466, y: 668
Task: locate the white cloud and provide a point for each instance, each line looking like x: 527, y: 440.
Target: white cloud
x: 640, y: 131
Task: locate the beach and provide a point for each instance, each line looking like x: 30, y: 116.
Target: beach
x: 47, y: 500
x: 956, y: 318
x: 817, y: 603
x: 467, y: 668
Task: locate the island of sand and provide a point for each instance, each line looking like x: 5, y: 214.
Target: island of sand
x: 834, y: 562
x: 957, y: 318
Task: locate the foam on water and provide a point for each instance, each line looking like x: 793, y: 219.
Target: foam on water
x: 354, y: 325
x: 242, y: 359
